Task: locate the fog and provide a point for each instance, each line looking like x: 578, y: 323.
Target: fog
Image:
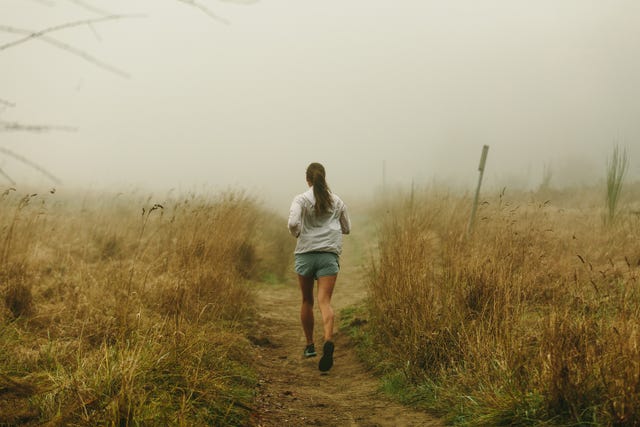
x: 248, y: 100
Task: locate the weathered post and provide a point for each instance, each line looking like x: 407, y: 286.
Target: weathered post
x: 483, y: 160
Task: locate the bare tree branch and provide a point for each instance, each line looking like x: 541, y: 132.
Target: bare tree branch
x: 95, y: 32
x: 64, y: 46
x: 30, y: 163
x: 84, y: 55
x: 15, y: 126
x: 39, y: 34
x: 204, y: 9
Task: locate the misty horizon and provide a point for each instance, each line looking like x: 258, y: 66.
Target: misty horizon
x: 419, y: 87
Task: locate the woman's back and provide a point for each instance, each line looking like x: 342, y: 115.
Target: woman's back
x: 318, y: 232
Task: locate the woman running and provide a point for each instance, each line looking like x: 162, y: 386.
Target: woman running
x: 318, y: 218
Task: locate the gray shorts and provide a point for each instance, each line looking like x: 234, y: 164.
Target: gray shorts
x: 317, y: 264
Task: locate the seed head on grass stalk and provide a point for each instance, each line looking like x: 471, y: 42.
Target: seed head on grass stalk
x: 617, y: 167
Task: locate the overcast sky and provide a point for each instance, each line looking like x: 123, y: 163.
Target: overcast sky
x: 249, y: 100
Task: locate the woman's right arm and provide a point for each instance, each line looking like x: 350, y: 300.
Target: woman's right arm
x: 295, y: 218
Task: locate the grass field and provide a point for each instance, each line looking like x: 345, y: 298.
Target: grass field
x: 119, y: 309
x: 123, y: 310
x: 533, y: 319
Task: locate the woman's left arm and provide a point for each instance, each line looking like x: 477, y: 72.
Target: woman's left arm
x: 345, y: 222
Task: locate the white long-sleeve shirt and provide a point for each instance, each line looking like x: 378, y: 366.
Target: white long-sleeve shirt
x: 318, y: 233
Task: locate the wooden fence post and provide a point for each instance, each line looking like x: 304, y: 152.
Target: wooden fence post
x: 483, y: 160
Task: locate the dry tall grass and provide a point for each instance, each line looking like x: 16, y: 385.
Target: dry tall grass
x: 533, y: 319
x: 119, y: 311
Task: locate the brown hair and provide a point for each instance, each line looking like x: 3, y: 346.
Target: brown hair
x: 316, y: 177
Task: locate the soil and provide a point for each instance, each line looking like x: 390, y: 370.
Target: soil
x: 292, y: 391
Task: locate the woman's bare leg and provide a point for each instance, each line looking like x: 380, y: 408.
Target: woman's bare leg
x: 306, y: 310
x: 325, y: 290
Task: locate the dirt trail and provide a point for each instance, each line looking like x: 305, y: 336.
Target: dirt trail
x: 292, y: 392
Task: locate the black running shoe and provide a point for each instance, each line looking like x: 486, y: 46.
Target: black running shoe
x: 310, y: 351
x: 326, y: 361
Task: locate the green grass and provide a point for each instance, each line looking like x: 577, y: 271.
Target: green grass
x: 442, y: 400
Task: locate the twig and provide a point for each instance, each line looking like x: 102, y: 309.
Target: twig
x: 95, y: 32
x: 15, y: 126
x: 204, y: 9
x: 39, y: 34
x: 84, y: 55
x: 64, y: 46
x: 30, y: 163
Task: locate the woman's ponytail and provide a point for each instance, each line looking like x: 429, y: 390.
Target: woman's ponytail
x: 316, y: 177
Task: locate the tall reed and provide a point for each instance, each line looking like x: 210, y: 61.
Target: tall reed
x: 617, y: 166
